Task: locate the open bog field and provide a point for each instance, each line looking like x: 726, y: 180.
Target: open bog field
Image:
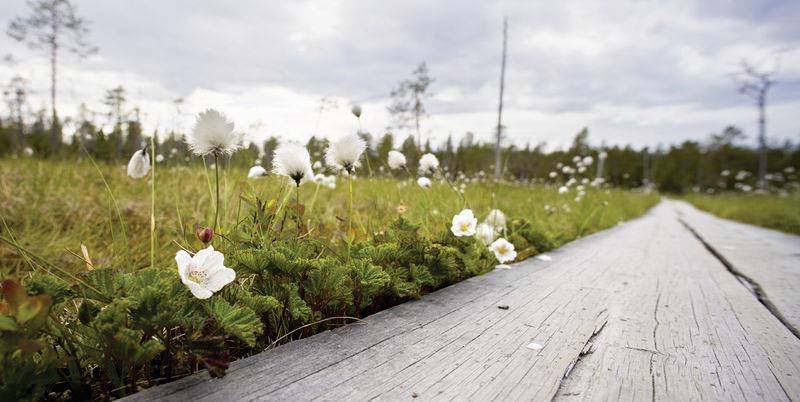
x: 780, y: 212
x: 54, y: 207
x: 123, y: 315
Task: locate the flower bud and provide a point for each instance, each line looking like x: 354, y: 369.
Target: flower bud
x: 356, y: 111
x: 205, y: 235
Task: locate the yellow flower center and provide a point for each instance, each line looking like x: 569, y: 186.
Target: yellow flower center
x: 197, y: 277
x: 502, y: 249
x: 464, y: 226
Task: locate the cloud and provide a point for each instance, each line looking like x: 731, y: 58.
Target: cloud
x: 633, y: 72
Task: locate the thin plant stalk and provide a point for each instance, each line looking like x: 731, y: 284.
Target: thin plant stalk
x: 153, y: 205
x: 299, y: 223
x: 113, y: 201
x: 314, y: 198
x: 216, y: 180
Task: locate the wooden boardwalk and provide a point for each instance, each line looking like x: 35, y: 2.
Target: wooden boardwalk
x: 676, y: 305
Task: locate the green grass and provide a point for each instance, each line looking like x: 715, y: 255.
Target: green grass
x: 780, y: 212
x: 54, y: 207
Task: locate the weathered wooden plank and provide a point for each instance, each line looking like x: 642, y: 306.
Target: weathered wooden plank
x: 687, y: 329
x: 768, y: 258
x: 639, y: 311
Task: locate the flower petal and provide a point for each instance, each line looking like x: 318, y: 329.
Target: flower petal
x: 220, y: 278
x: 198, y: 291
x: 214, y: 260
x: 183, y: 259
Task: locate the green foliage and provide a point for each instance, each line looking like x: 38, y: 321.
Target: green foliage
x: 116, y: 324
x: 775, y: 212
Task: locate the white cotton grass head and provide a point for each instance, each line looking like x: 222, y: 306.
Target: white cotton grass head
x: 588, y: 160
x: 345, y: 153
x: 28, y: 151
x: 424, y: 182
x: 497, y: 219
x: 563, y: 190
x: 485, y: 233
x: 464, y: 223
x: 256, y: 172
x: 159, y: 158
x: 213, y: 134
x: 428, y: 164
x: 330, y: 182
x: 205, y: 272
x: 139, y: 165
x: 396, y: 160
x: 503, y: 250
x: 293, y: 161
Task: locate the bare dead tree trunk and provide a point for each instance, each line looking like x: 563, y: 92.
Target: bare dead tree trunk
x: 416, y: 122
x: 762, y: 140
x: 54, y: 140
x: 600, y: 166
x: 756, y: 84
x: 499, y: 135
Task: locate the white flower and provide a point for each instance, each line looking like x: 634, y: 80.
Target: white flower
x: 559, y: 165
x: 562, y: 189
x: 396, y: 160
x: 159, y: 158
x: 424, y: 182
x: 497, y: 219
x: 464, y: 223
x: 576, y: 159
x: 503, y: 250
x: 580, y: 188
x: 329, y: 181
x: 28, y: 151
x: 571, y: 182
x: 344, y: 153
x: 256, y: 172
x: 485, y: 233
x: 581, y: 169
x: 588, y: 160
x: 139, y: 164
x: 428, y: 164
x: 317, y: 165
x: 603, y: 155
x: 213, y: 134
x: 584, y: 181
x: 292, y: 160
x: 553, y: 175
x: 204, y: 273
x: 725, y: 173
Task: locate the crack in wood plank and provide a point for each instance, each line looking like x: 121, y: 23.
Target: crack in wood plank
x: 748, y: 282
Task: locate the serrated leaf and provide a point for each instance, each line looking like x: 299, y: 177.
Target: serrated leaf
x: 239, y: 321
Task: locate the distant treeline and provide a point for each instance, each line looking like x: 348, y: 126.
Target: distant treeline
x: 719, y: 163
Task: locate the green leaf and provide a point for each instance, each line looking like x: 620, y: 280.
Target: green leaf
x: 8, y: 324
x: 239, y: 321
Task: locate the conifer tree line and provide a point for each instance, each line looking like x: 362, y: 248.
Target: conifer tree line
x: 692, y: 165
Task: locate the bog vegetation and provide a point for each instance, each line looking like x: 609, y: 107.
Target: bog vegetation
x: 123, y: 277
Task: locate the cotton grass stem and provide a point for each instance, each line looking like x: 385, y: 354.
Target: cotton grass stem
x: 216, y: 180
x: 299, y: 220
x: 153, y: 205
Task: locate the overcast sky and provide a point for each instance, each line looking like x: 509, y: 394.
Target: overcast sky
x: 634, y: 72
